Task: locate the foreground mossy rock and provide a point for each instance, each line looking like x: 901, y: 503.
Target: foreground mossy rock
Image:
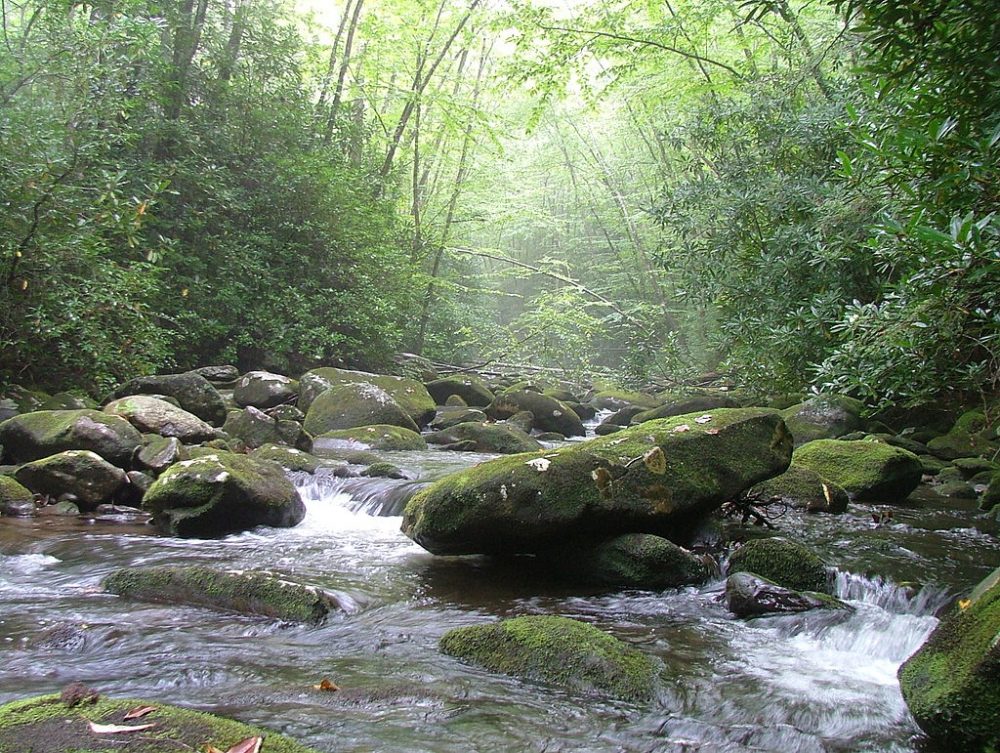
x: 48, y: 724
x: 150, y: 415
x: 824, y: 417
x: 749, y: 595
x: 805, y: 489
x: 255, y: 428
x: 245, y: 592
x: 560, y: 651
x: 638, y: 560
x: 783, y: 562
x: 498, y: 438
x: 82, y: 474
x: 469, y: 387
x: 31, y: 436
x: 377, y: 437
x: 952, y: 683
x: 867, y: 470
x: 549, y: 413
x: 262, y: 389
x: 679, y: 405
x: 223, y: 493
x: 192, y: 391
x: 409, y: 394
x: 662, y: 478
x: 349, y: 406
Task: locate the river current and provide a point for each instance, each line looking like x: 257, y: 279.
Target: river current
x: 815, y: 682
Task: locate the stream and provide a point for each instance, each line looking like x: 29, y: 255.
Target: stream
x: 810, y: 682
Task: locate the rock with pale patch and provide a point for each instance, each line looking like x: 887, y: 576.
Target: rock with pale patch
x: 151, y: 415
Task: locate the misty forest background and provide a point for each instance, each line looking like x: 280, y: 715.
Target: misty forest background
x: 797, y: 194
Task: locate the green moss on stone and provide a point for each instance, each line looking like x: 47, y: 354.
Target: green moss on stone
x: 47, y: 725
x: 952, y: 683
x: 804, y: 488
x: 288, y: 458
x: 614, y: 399
x: 640, y: 560
x: 470, y: 388
x: 377, y: 437
x: 31, y: 436
x: 559, y: 651
x: 824, y: 417
x: 507, y: 440
x: 243, y: 592
x: 353, y: 405
x: 867, y: 470
x: 12, y: 491
x: 410, y: 394
x: 784, y: 562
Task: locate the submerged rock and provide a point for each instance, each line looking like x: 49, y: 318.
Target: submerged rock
x: 549, y: 413
x: 151, y: 415
x: 804, y: 488
x: 661, y: 478
x: 952, y: 683
x: 749, y: 595
x: 478, y: 437
x: 245, y: 592
x: 783, y: 562
x: 560, y: 651
x: 83, y: 474
x: 193, y: 392
x: 223, y: 493
x: 60, y: 723
x: 867, y: 470
x: 31, y: 436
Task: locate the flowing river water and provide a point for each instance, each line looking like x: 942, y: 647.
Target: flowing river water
x: 809, y: 683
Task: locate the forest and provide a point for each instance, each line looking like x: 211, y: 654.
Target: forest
x: 800, y: 196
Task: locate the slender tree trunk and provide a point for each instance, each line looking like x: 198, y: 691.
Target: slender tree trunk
x: 331, y: 65
x: 345, y: 61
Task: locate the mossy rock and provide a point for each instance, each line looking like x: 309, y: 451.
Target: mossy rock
x: 246, y: 592
x: 454, y: 415
x: 159, y: 453
x: 991, y: 495
x: 193, y: 392
x: 786, y: 563
x: 805, y: 489
x: 549, y: 413
x: 409, y: 394
x: 83, y: 474
x: 618, y: 399
x: 497, y: 438
x: 383, y: 470
x: 255, y: 429
x: 956, y: 490
x: 824, y: 417
x: 288, y: 458
x: 223, y: 493
x: 749, y: 595
x: 262, y: 389
x: 679, y: 405
x: 67, y: 401
x: 560, y: 651
x: 972, y: 466
x: 867, y: 470
x: 469, y: 387
x: 31, y: 436
x: 952, y: 683
x: 971, y: 435
x: 349, y: 406
x: 16, y: 500
x: 522, y: 421
x: 46, y: 724
x: 637, y: 560
x: 377, y: 437
x: 662, y: 478
x: 931, y: 465
x: 150, y: 415
x: 561, y: 394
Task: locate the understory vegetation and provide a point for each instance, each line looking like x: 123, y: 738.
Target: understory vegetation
x: 798, y: 195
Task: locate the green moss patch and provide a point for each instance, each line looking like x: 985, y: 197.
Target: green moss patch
x: 783, y: 562
x: 48, y: 725
x: 804, y: 488
x: 867, y: 470
x: 560, y: 651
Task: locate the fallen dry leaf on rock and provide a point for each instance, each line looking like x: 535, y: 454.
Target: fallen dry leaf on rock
x: 114, y: 729
x: 140, y: 712
x: 250, y: 745
x: 328, y: 686
x: 682, y: 427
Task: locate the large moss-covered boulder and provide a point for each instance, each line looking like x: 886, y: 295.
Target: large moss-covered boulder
x: 349, y: 406
x: 952, y: 683
x: 255, y: 428
x: 409, y: 394
x: 453, y: 415
x: 550, y: 414
x: 804, y: 489
x: 560, y: 651
x: 81, y: 473
x: 61, y: 723
x: 151, y: 415
x: 246, y: 592
x: 867, y: 470
x: 31, y: 436
x: 971, y: 435
x: 749, y: 595
x: 824, y: 417
x: 781, y: 561
x: 498, y: 438
x: 192, y: 391
x: 262, y: 389
x: 679, y: 405
x: 469, y: 387
x: 223, y: 493
x: 662, y: 478
x: 377, y: 437
x: 637, y: 560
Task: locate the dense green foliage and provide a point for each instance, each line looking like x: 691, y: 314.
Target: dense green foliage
x: 800, y: 195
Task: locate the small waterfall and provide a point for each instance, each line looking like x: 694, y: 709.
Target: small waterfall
x: 379, y: 497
